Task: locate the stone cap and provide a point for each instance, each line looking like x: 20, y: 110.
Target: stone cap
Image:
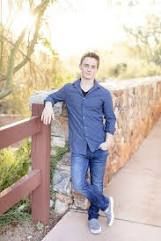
x: 38, y: 97
x: 113, y: 85
x: 116, y: 85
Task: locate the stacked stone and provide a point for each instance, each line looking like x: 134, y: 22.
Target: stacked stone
x: 64, y: 196
x: 137, y: 105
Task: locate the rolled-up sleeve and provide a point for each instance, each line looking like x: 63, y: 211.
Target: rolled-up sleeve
x: 109, y: 115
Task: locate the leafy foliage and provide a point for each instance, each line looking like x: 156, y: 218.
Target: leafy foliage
x: 147, y: 39
x: 18, y: 213
x: 14, y: 164
x: 18, y: 49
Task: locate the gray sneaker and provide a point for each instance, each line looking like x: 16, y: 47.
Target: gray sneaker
x: 94, y: 226
x: 109, y: 212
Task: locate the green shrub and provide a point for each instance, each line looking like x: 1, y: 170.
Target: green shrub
x: 20, y: 212
x: 14, y: 164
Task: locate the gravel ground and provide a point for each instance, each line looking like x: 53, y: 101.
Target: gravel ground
x: 27, y: 231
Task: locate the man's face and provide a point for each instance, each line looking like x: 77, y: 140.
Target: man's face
x: 88, y: 68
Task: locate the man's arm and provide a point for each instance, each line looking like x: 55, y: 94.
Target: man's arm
x: 110, y: 121
x: 48, y: 113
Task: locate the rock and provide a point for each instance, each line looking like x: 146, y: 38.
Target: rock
x: 63, y: 198
x: 57, y: 141
x: 29, y: 237
x: 62, y: 182
x: 65, y: 162
x: 80, y: 202
x: 51, y: 203
x: 61, y: 207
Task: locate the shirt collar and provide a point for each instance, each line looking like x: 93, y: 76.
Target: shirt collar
x: 77, y: 85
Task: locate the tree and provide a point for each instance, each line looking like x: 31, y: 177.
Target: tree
x: 16, y: 52
x: 147, y: 39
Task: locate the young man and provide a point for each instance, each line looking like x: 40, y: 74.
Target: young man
x: 91, y: 128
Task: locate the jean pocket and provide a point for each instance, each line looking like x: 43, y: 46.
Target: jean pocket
x: 101, y: 149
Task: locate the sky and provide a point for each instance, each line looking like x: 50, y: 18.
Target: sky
x: 76, y: 26
x: 80, y: 25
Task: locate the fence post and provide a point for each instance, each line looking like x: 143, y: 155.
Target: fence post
x: 40, y: 154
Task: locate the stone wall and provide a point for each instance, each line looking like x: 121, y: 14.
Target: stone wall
x: 137, y: 105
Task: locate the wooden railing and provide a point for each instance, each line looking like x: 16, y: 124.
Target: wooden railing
x: 36, y: 183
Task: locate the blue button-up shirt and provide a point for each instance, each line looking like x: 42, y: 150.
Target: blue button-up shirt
x: 90, y: 117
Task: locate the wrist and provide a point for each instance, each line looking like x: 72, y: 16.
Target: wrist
x: 48, y: 104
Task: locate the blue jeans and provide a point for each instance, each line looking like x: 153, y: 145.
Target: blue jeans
x: 93, y: 190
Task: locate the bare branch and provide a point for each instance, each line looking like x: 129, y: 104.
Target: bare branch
x: 11, y: 68
x: 11, y: 60
x: 40, y: 11
x: 5, y: 92
x: 13, y: 45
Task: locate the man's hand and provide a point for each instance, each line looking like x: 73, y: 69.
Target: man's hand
x: 47, y: 114
x: 108, y: 144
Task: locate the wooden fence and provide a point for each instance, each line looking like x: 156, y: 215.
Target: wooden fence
x: 36, y: 183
